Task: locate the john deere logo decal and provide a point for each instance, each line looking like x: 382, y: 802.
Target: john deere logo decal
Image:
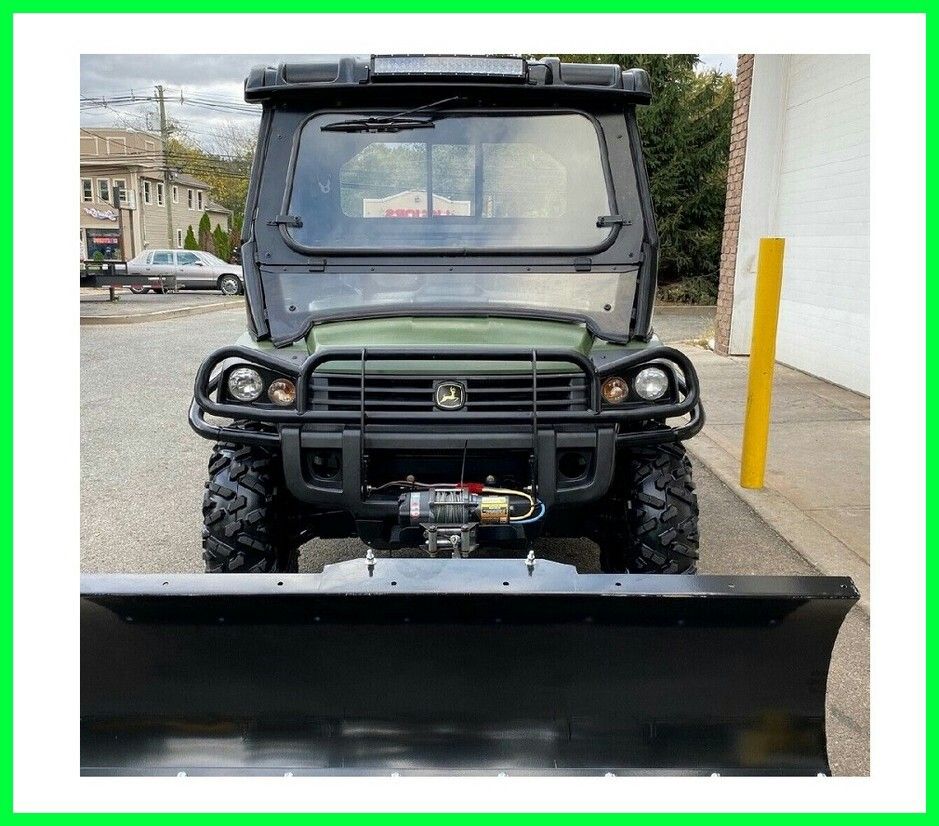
x: 450, y: 395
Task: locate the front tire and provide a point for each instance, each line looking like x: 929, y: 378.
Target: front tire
x: 229, y: 285
x: 245, y: 524
x: 649, y: 521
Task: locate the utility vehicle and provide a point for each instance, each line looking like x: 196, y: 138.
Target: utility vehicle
x: 449, y: 269
x: 450, y: 266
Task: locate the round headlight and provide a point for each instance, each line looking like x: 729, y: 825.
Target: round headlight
x: 651, y: 383
x: 282, y: 392
x: 614, y: 390
x: 245, y: 384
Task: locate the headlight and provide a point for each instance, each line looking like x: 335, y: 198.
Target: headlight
x: 245, y: 384
x: 614, y: 390
x: 651, y: 383
x: 282, y: 392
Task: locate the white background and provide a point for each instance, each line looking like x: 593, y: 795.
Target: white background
x: 46, y: 477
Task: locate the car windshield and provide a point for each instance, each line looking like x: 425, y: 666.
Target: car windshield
x: 485, y: 182
x: 212, y: 259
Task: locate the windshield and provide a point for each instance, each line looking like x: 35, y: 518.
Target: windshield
x: 456, y: 182
x: 602, y: 299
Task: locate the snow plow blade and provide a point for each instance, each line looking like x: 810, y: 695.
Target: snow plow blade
x: 456, y: 666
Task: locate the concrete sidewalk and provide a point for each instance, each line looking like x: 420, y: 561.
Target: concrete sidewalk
x: 817, y: 491
x: 95, y: 308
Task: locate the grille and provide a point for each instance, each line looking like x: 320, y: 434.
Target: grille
x: 484, y: 394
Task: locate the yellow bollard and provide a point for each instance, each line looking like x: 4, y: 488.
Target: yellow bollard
x: 769, y: 270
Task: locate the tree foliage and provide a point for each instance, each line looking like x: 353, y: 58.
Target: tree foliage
x: 190, y: 243
x: 686, y: 138
x: 220, y: 242
x: 225, y: 168
x: 206, y: 241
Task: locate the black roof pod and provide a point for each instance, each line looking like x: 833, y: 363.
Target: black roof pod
x: 325, y: 73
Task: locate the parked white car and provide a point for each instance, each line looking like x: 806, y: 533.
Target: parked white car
x: 184, y: 270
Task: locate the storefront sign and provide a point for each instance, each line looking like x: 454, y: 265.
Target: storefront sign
x: 101, y: 214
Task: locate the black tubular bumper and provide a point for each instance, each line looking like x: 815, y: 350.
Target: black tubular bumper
x: 597, y: 427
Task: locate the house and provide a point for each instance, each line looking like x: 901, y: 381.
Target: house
x: 131, y: 163
x: 800, y: 169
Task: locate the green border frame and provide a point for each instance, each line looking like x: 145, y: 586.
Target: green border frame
x: 10, y: 8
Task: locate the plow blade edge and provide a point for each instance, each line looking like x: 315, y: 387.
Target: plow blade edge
x: 473, y: 666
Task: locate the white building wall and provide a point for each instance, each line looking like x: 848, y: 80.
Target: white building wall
x: 807, y: 179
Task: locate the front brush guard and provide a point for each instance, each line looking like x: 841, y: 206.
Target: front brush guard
x: 684, y: 380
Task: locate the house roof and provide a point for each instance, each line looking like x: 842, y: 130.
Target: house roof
x: 211, y: 206
x: 180, y: 179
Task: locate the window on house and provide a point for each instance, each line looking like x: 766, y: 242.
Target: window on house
x: 199, y: 199
x: 146, y: 192
x: 120, y: 186
x: 175, y: 194
x: 159, y: 194
x: 116, y: 146
x: 189, y: 195
x: 104, y: 190
x: 179, y: 236
x: 88, y: 190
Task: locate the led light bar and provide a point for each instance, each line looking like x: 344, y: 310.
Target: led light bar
x: 449, y: 66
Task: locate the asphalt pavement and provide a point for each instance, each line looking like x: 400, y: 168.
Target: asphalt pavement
x: 143, y: 471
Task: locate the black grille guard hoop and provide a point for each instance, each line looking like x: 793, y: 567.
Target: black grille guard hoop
x: 683, y: 373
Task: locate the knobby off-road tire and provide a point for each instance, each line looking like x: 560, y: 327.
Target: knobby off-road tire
x: 246, y: 520
x: 650, y: 520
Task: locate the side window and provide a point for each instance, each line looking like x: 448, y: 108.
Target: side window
x: 162, y: 258
x: 88, y: 190
x: 104, y: 190
x: 146, y: 192
x: 199, y: 198
x: 187, y: 258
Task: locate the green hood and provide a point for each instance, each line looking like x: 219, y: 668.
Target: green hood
x: 450, y: 332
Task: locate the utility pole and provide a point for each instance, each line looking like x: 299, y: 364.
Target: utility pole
x: 164, y: 139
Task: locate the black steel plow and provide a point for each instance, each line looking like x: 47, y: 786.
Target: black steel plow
x: 475, y: 666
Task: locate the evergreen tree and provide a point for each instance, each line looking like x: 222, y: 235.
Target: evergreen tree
x: 686, y: 139
x: 190, y: 243
x: 205, y: 233
x: 220, y: 241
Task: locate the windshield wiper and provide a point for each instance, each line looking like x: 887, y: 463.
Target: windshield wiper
x: 390, y: 123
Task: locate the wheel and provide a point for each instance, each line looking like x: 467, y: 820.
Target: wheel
x: 158, y: 291
x: 247, y: 527
x: 230, y: 285
x: 649, y: 520
x: 138, y: 289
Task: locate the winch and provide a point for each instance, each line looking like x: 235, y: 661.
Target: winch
x: 451, y: 514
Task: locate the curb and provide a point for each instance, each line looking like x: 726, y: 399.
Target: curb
x: 159, y: 315
x: 823, y: 551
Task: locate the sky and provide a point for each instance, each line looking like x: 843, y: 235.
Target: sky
x: 202, y: 92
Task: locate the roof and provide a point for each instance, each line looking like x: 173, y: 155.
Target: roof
x: 178, y: 178
x: 211, y: 206
x: 356, y: 71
